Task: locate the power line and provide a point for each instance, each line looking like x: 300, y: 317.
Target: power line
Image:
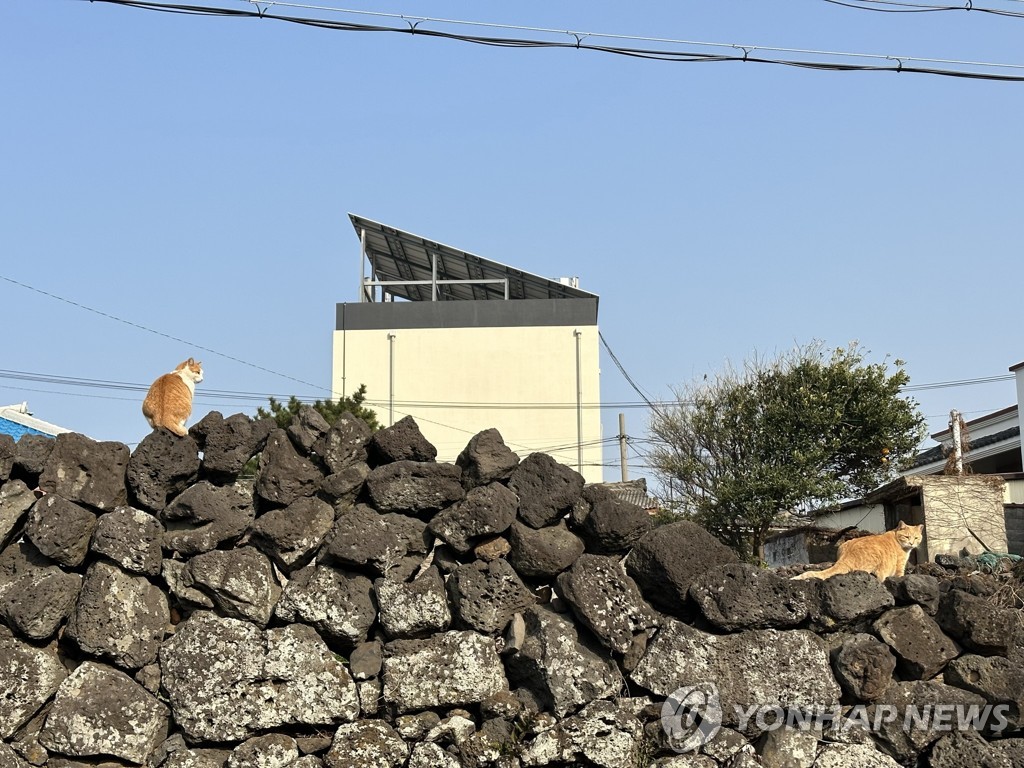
x: 893, y: 6
x: 793, y: 57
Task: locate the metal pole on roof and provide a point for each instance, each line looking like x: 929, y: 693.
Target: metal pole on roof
x: 579, y: 404
x: 362, y: 265
x: 433, y: 277
x: 391, y: 379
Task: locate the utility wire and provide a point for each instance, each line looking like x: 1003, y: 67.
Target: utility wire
x: 150, y: 330
x: 794, y: 57
x: 892, y: 6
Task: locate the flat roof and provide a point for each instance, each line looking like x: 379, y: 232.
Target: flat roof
x: 407, y: 261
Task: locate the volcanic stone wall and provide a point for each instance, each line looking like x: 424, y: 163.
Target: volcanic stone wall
x: 357, y: 604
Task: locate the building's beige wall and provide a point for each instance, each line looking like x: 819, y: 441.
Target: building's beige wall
x: 456, y: 382
x: 956, y: 506
x: 1014, y: 493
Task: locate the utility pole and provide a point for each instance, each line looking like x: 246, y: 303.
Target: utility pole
x: 956, y: 422
x: 622, y: 447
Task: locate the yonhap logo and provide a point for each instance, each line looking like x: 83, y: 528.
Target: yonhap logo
x: 691, y: 716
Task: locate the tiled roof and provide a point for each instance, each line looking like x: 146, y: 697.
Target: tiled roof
x: 634, y: 492
x: 939, y: 452
x: 15, y: 420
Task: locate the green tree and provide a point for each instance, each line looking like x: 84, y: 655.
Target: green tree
x: 331, y: 410
x: 798, y: 433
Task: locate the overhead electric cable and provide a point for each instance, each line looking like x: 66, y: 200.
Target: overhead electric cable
x: 739, y: 53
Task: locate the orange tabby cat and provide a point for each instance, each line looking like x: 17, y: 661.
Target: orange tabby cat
x: 169, y: 401
x: 884, y: 554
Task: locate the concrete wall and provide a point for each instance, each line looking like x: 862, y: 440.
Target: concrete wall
x: 519, y: 378
x: 961, y: 510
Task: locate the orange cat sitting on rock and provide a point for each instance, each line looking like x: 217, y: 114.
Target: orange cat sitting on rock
x: 884, y: 554
x: 169, y: 401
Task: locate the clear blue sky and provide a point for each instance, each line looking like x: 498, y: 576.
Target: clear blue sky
x: 193, y: 175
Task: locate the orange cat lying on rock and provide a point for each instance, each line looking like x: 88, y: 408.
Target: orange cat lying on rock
x: 169, y: 401
x: 884, y: 554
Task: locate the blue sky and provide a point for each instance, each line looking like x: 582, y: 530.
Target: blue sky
x: 193, y: 176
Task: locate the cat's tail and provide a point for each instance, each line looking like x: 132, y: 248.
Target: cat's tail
x: 833, y: 571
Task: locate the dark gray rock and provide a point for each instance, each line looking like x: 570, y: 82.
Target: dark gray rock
x: 413, y: 609
x: 38, y: 599
x: 486, y: 459
x: 131, y: 538
x: 542, y: 553
x: 853, y: 756
x: 915, y: 704
x: 450, y: 669
x: 741, y: 596
x: 10, y: 759
x: 606, y: 601
x: 99, y: 711
x: 564, y: 673
x: 119, y: 617
x: 915, y: 588
x: 8, y: 449
x: 922, y: 649
x: 415, y: 487
x: 228, y: 680
x: 607, y: 524
x: 366, y: 660
x: 1013, y: 749
x: 863, y: 666
x: 366, y: 744
x: 547, y: 490
x: 666, y: 560
x: 285, y: 475
x: 484, y: 596
x: 763, y: 667
x: 339, y: 605
x: 600, y: 734
x: 60, y: 529
x: 977, y: 623
x: 346, y: 484
x: 86, y: 472
x: 344, y: 444
x: 240, y: 582
x: 274, y: 750
x: 487, y: 510
x: 179, y: 584
x: 162, y: 466
x: 307, y: 426
x: 31, y: 453
x: 997, y: 679
x: 788, y: 748
x: 367, y: 541
x: 291, y: 536
x: 966, y: 749
x: 30, y: 677
x: 402, y: 441
x: 228, y: 444
x: 15, y: 501
x: 849, y: 598
x: 207, y: 516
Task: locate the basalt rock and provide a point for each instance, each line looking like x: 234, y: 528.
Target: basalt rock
x: 487, y: 510
x: 162, y: 466
x: 291, y: 536
x: 339, y: 605
x: 402, y: 441
x: 207, y: 516
x: 740, y: 596
x: 485, y: 459
x: 344, y: 444
x: 285, y: 475
x: 547, y: 490
x: 228, y: 444
x: 86, y: 472
x: 542, y: 553
x: 667, y: 560
x: 131, y: 538
x: 15, y: 501
x: 607, y: 524
x: 61, y: 529
x: 420, y: 488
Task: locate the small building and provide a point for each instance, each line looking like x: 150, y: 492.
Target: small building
x: 462, y: 343
x: 15, y: 420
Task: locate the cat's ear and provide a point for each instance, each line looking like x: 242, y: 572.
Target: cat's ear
x: 191, y: 361
x: 901, y: 526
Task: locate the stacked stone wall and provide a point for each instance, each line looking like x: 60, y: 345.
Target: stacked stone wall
x: 357, y: 604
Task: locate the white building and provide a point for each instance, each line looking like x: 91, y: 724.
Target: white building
x: 463, y: 344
